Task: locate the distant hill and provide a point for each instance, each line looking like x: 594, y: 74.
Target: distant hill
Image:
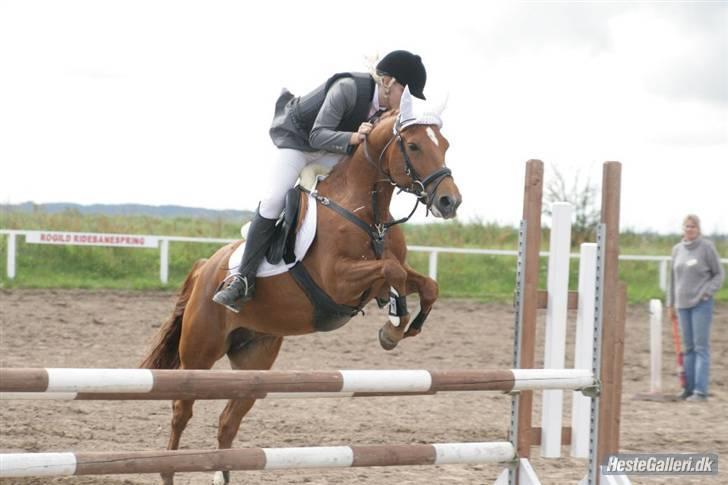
x: 129, y: 210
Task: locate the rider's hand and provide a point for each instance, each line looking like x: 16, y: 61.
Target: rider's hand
x: 358, y: 137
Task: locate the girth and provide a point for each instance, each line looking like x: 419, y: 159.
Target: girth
x: 327, y: 314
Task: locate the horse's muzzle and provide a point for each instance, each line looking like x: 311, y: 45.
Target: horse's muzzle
x: 446, y: 205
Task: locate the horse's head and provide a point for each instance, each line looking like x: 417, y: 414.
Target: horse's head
x: 414, y: 158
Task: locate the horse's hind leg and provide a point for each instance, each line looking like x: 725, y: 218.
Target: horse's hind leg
x: 248, y: 351
x: 181, y: 414
x: 203, y: 356
x: 258, y: 353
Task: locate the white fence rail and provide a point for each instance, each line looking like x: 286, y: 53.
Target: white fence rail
x: 162, y: 244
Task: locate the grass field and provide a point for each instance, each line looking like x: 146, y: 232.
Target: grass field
x: 489, y: 278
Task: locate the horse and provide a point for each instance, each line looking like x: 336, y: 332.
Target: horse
x: 350, y: 264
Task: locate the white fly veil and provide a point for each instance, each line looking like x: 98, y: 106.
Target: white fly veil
x: 415, y: 111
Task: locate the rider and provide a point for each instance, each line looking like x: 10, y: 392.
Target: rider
x: 323, y: 127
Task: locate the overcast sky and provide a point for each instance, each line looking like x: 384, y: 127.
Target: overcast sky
x: 169, y: 102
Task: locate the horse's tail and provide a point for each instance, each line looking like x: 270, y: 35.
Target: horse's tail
x: 165, y: 350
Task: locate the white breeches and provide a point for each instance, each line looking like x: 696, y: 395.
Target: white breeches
x: 284, y: 172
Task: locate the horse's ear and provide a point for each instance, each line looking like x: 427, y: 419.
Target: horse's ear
x: 442, y: 105
x: 414, y: 111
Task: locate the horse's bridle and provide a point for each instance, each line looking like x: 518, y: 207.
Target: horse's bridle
x: 418, y: 187
x: 378, y: 229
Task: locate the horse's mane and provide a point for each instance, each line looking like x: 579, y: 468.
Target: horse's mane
x: 386, y: 115
x: 385, y: 122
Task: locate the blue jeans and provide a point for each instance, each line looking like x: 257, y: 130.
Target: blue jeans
x: 695, y: 325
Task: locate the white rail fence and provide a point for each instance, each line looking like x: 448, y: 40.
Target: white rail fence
x: 162, y: 244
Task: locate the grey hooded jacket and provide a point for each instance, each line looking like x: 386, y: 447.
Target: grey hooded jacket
x: 325, y: 118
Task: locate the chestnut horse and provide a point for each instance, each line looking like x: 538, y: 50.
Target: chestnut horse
x: 341, y: 260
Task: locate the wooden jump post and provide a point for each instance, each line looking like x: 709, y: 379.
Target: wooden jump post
x: 608, y: 313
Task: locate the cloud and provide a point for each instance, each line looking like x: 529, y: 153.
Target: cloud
x: 94, y: 72
x: 679, y: 51
x: 168, y: 89
x: 525, y: 27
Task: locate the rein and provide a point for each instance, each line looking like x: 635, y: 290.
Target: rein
x: 378, y: 230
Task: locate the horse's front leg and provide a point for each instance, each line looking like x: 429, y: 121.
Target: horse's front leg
x: 428, y: 290
x: 385, y: 272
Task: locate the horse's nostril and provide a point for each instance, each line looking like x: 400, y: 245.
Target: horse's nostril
x: 446, y: 202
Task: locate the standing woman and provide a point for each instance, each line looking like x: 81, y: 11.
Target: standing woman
x: 321, y: 127
x: 697, y: 274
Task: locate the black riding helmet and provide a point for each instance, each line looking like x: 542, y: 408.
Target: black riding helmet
x: 407, y: 68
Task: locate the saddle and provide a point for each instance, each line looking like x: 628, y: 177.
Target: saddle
x: 283, y: 244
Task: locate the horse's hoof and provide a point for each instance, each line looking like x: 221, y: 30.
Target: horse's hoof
x: 221, y: 478
x: 386, y: 342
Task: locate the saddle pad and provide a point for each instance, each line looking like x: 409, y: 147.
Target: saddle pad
x: 304, y: 239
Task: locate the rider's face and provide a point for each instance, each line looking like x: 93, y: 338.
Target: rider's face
x: 395, y: 93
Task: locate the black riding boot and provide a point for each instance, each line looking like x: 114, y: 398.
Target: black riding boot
x: 242, y: 284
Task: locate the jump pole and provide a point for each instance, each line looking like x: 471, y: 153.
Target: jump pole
x: 112, y: 463
x: 156, y: 384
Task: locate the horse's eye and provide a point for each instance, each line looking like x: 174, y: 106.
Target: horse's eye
x: 413, y: 147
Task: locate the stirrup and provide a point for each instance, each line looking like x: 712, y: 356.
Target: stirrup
x: 230, y: 296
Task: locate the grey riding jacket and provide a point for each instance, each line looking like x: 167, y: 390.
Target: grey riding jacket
x: 325, y: 118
